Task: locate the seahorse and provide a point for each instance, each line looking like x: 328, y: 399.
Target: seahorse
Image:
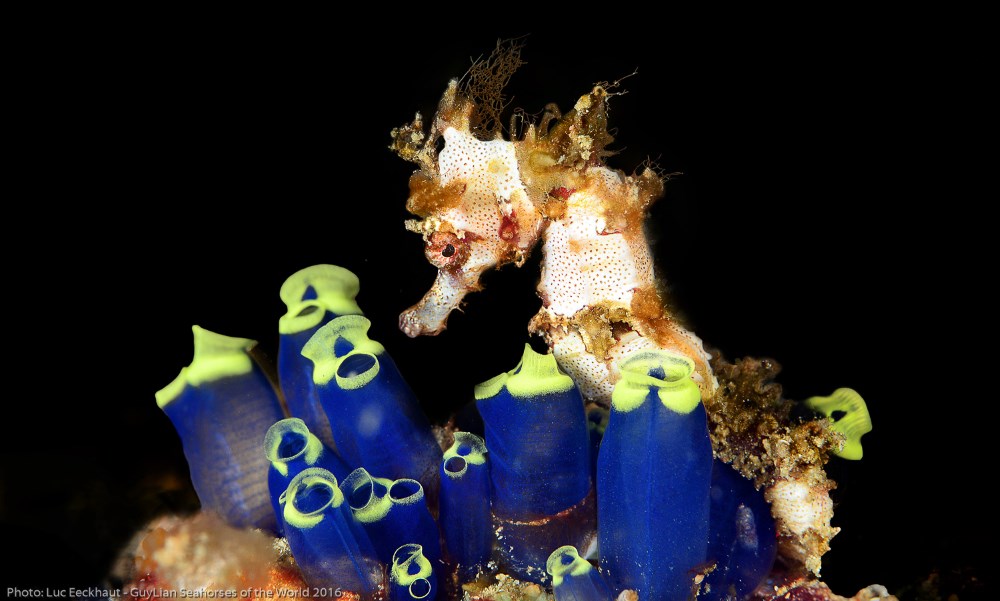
x: 484, y: 200
x: 484, y: 203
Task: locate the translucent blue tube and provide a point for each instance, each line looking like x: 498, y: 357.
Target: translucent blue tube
x: 290, y: 448
x: 412, y: 576
x: 465, y: 505
x: 574, y: 579
x: 742, y: 541
x: 653, y: 478
x: 329, y: 546
x: 393, y: 513
x: 539, y: 444
x: 221, y: 405
x: 376, y: 421
x: 314, y: 296
x: 536, y: 431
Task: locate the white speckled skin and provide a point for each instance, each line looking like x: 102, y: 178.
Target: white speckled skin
x: 585, y: 263
x: 588, y: 263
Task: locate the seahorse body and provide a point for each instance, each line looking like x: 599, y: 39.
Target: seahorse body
x: 484, y: 203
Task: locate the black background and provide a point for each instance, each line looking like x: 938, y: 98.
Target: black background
x: 177, y: 177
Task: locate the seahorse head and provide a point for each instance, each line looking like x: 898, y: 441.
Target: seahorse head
x: 483, y: 201
x: 473, y: 209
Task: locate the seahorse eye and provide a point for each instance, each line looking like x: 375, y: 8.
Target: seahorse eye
x: 445, y: 250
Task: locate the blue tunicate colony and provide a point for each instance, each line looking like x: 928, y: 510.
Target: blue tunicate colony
x: 542, y: 484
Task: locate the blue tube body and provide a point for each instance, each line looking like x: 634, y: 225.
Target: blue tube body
x: 392, y: 513
x: 295, y: 375
x: 574, y: 579
x: 539, y: 447
x: 412, y: 576
x: 290, y: 448
x: 329, y: 546
x: 538, y: 440
x: 465, y: 505
x: 221, y: 419
x: 653, y: 479
x: 742, y: 540
x: 375, y: 419
x: 313, y: 296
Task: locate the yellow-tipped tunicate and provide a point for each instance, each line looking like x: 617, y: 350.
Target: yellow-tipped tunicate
x: 855, y: 422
